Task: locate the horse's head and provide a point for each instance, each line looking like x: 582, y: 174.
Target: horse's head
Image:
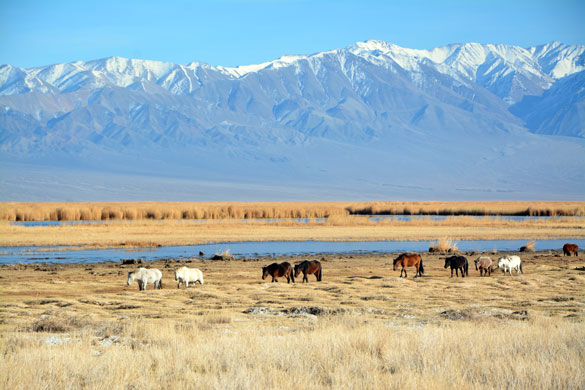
x: 297, y: 270
x: 395, y: 263
x: 131, y: 277
x: 264, y: 272
x: 476, y: 261
x: 447, y: 262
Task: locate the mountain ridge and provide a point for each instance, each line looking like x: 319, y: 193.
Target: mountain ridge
x: 495, y: 105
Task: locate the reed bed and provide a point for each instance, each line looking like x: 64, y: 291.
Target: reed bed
x: 100, y: 211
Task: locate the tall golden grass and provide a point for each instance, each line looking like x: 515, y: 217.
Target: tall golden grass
x: 96, y: 211
x: 337, y: 353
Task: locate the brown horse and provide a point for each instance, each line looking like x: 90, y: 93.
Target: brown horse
x: 309, y: 267
x: 277, y: 270
x: 484, y: 265
x: 570, y: 248
x: 408, y: 260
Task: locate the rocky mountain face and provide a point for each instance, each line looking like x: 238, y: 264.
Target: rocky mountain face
x: 372, y: 119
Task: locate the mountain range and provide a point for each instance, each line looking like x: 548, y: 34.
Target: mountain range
x: 372, y: 120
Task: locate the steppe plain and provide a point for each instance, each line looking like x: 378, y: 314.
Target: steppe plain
x: 79, y: 326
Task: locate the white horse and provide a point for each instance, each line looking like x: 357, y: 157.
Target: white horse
x: 145, y: 276
x: 509, y: 263
x: 186, y: 275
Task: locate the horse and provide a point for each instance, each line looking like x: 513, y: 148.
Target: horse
x: 145, y: 276
x: 485, y: 265
x: 185, y: 275
x: 408, y: 260
x: 309, y: 267
x: 509, y: 263
x: 277, y: 270
x: 570, y: 248
x: 457, y: 263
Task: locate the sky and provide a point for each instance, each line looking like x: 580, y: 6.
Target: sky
x: 243, y: 32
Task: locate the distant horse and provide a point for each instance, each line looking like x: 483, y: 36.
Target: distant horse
x: 485, y: 265
x: 408, y: 260
x: 185, y: 275
x: 309, y: 267
x: 145, y: 276
x: 570, y: 248
x: 457, y: 263
x: 509, y: 263
x: 277, y: 270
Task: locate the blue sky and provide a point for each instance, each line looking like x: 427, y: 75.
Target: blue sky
x: 241, y: 32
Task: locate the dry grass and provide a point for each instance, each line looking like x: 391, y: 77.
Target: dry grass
x: 348, y: 228
x: 79, y: 327
x: 443, y: 245
x: 529, y: 247
x: 96, y: 211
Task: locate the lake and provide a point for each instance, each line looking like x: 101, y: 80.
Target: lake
x: 14, y: 255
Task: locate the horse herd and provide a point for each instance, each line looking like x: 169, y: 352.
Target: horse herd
x: 186, y: 275
x: 457, y: 263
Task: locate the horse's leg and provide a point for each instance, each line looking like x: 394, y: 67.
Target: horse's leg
x: 187, y: 283
x: 451, y: 272
x: 305, y: 278
x: 462, y: 272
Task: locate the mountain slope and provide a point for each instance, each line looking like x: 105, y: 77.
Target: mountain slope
x: 385, y: 120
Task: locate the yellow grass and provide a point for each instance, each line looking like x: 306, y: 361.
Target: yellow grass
x: 91, y: 211
x: 443, y: 245
x: 348, y: 228
x: 79, y: 327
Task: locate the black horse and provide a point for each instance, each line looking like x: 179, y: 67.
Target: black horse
x: 458, y: 263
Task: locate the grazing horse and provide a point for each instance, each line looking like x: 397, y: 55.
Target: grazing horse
x: 185, y: 275
x: 408, y: 260
x: 485, y: 265
x: 309, y: 267
x: 457, y: 263
x: 570, y: 248
x: 276, y: 270
x: 145, y: 276
x: 509, y: 263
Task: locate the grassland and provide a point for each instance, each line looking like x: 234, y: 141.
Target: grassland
x: 340, y: 228
x: 93, y: 211
x: 80, y: 327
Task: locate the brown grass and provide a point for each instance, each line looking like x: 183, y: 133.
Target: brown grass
x: 443, y: 245
x: 96, y: 211
x: 362, y: 327
x: 347, y: 228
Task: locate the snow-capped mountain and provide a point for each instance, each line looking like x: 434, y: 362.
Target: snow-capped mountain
x: 369, y: 102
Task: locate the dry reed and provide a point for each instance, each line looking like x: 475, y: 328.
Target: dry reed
x: 96, y: 211
x: 443, y: 245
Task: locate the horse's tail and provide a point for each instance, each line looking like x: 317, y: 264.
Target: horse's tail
x: 292, y: 274
x: 466, y: 268
x: 521, y: 270
x: 160, y: 285
x: 421, y: 268
x: 320, y: 274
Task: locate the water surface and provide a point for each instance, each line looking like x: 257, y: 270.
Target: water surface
x: 13, y: 255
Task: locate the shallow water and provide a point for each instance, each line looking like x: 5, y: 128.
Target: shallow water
x: 14, y: 255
